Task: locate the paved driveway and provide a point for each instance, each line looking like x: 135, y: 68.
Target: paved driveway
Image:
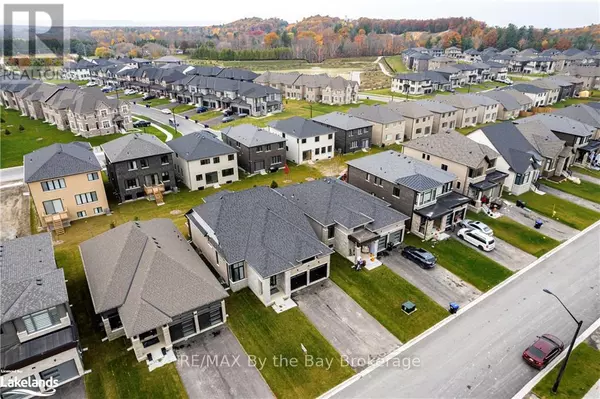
x: 438, y: 283
x: 221, y: 376
x: 186, y: 126
x: 347, y: 326
x: 527, y: 217
x: 572, y: 198
x: 508, y: 256
x: 589, y: 178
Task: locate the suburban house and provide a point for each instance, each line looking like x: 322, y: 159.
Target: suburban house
x: 388, y: 125
x: 498, y: 72
x: 419, y: 62
x: 202, y: 160
x: 79, y: 70
x: 39, y: 336
x: 347, y: 219
x: 584, y: 113
x: 444, y: 115
x: 258, y: 239
x: 439, y: 62
x: 473, y: 164
x: 418, y: 119
x: 453, y: 75
x: 552, y: 87
x: 351, y: 133
x: 484, y: 71
x: 569, y: 86
x: 282, y: 81
x: 139, y: 165
x: 488, y: 107
x: 472, y: 55
x: 518, y: 158
x: 525, y: 101
x: 167, y: 59
x: 306, y: 140
x: 589, y: 75
x: 508, y: 106
x: 257, y: 148
x: 470, y: 72
x: 553, y: 151
x: 453, y: 52
x: 413, y: 187
x: 538, y: 95
x: 65, y: 182
x: 412, y: 83
x: 149, y: 285
x: 467, y: 110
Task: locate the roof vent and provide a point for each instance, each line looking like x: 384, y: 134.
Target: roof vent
x: 38, y: 281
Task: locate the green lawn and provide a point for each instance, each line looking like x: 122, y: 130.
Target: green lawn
x: 151, y: 130
x: 585, y: 190
x: 130, y: 96
x: 156, y: 101
x: 479, y: 87
x: 467, y: 263
x: 271, y: 336
x: 586, y: 171
x: 571, y: 101
x: 36, y: 134
x: 470, y: 129
x: 396, y: 63
x: 390, y: 93
x: 181, y: 108
x: 204, y: 116
x: 514, y: 233
x: 556, y: 208
x: 580, y: 376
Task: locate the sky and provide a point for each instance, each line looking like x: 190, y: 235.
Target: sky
x: 540, y: 13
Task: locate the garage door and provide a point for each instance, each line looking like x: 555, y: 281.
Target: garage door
x: 61, y: 373
x: 318, y: 273
x: 298, y: 281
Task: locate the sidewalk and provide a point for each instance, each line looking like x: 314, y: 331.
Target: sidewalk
x: 571, y: 198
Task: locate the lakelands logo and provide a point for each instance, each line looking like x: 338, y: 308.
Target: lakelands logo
x: 28, y: 387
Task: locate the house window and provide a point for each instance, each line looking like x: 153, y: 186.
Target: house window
x: 236, y: 271
x: 103, y: 113
x: 423, y: 155
x: 81, y: 214
x: 204, y: 161
x: 458, y: 185
x: 259, y: 148
x: 280, y: 146
x: 144, y: 163
x: 227, y: 172
x: 444, y: 167
x: 428, y: 157
x: 105, y: 124
x: 317, y: 151
x: 276, y: 159
x: 216, y: 159
x: 396, y: 192
x: 132, y: 165
x: 53, y: 206
x: 330, y: 232
x: 427, y: 130
x: 131, y: 184
x: 354, y: 144
x: 329, y: 148
x: 98, y: 210
x: 81, y: 199
x: 303, y: 141
x: 92, y: 176
x: 199, y: 177
x: 41, y: 320
x: 164, y: 160
x: 378, y: 181
x: 165, y: 176
x: 230, y: 157
x: 317, y: 138
x: 268, y: 147
x: 51, y: 185
x: 330, y: 136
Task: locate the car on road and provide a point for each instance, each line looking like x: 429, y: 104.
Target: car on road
x: 166, y: 111
x: 173, y: 123
x: 201, y: 109
x: 227, y: 119
x: 91, y: 84
x: 107, y: 89
x: 545, y: 349
x: 477, y: 239
x: 421, y: 257
x: 148, y: 97
x: 477, y: 225
x: 141, y: 123
x: 129, y: 92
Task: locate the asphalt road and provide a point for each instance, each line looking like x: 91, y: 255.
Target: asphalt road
x: 478, y: 354
x: 186, y: 126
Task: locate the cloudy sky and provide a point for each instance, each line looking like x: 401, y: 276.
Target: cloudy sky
x: 540, y: 13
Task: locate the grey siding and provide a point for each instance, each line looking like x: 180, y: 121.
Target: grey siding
x: 250, y: 160
x: 119, y: 172
x: 343, y: 138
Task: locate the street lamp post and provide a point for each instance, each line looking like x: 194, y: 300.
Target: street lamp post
x: 174, y: 120
x: 564, y: 364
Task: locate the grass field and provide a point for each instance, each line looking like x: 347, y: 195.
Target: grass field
x: 558, y: 209
x: 586, y: 171
x: 381, y: 292
x: 268, y: 335
x: 585, y: 190
x: 204, y: 116
x: 467, y: 263
x: 396, y: 63
x: 480, y: 87
x: 156, y: 101
x: 514, y: 233
x: 167, y: 128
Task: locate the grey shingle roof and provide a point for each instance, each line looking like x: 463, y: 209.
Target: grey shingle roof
x: 455, y: 147
x: 237, y: 74
x: 409, y: 109
x: 149, y: 272
x: 436, y: 107
x: 401, y: 169
x: 331, y: 201
x: 528, y: 88
x: 262, y: 227
x: 251, y: 136
x: 414, y: 77
x: 542, y: 138
x: 30, y: 280
x: 481, y: 100
x: 134, y: 146
x: 59, y: 160
x: 342, y: 121
x: 199, y: 145
x: 561, y: 124
x: 520, y: 97
x: 457, y: 100
x: 582, y: 113
x: 509, y: 102
x: 300, y: 127
x: 278, y: 78
x: 376, y: 113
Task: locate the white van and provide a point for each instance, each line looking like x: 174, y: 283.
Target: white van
x: 477, y: 238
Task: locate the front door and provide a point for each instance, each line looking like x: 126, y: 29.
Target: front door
x: 449, y: 221
x: 273, y: 284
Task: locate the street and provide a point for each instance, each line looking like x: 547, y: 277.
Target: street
x: 186, y: 126
x: 478, y: 354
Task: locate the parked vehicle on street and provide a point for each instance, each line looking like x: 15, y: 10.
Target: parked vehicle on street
x: 421, y: 257
x: 477, y: 225
x: 173, y: 123
x: 91, y: 84
x: 227, y: 112
x: 201, y: 109
x: 227, y: 119
x: 148, y: 97
x: 107, y: 89
x: 477, y: 239
x: 141, y: 123
x: 129, y: 92
x: 166, y: 111
x: 545, y: 349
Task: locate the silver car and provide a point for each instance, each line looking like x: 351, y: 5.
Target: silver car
x: 477, y: 225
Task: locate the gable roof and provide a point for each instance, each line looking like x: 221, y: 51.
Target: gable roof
x: 301, y: 128
x: 376, y: 113
x: 480, y: 99
x: 436, y: 107
x: 455, y: 147
x: 413, y: 77
x: 59, y: 160
x: 401, y: 169
x: 250, y: 135
x: 582, y: 113
x: 342, y: 121
x: 199, y: 145
x: 149, y: 272
x: 509, y: 102
x: 237, y: 74
x: 542, y: 138
x: 134, y: 146
x: 528, y: 88
x: 278, y: 78
x: 259, y: 226
x: 330, y: 201
x: 520, y: 97
x: 30, y: 279
x: 457, y: 100
x: 409, y: 109
x: 561, y: 124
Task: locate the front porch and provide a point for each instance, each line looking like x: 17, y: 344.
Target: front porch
x: 364, y: 246
x: 486, y: 191
x: 434, y: 220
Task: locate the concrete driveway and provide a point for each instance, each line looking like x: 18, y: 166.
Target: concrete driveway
x: 217, y: 367
x: 186, y: 126
x: 347, y: 326
x: 508, y: 256
x: 438, y: 283
x: 527, y: 217
x: 589, y: 178
x: 571, y: 198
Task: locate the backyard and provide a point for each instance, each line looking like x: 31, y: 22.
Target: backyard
x: 337, y: 165
x: 468, y: 264
x: 381, y: 292
x: 585, y: 189
x: 395, y: 62
x: 556, y: 208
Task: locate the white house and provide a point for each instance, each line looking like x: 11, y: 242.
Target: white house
x: 306, y: 140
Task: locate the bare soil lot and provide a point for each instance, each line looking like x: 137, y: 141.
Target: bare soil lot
x: 14, y: 218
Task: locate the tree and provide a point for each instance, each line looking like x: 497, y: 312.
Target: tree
x: 490, y: 39
x: 271, y: 40
x: 274, y: 184
x: 451, y: 38
x: 563, y: 43
x: 428, y: 43
x: 286, y: 40
x: 102, y: 52
x: 467, y: 43
x: 522, y: 44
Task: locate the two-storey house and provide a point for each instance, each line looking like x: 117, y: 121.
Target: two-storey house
x: 351, y: 133
x: 444, y: 115
x: 412, y: 83
x: 508, y: 106
x: 467, y: 111
x: 257, y: 148
x: 388, y: 125
x: 418, y: 120
x: 487, y: 112
x: 305, y: 139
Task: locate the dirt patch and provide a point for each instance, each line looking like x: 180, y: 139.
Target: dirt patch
x: 175, y: 212
x: 14, y: 223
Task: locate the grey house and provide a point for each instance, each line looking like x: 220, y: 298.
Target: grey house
x: 138, y: 165
x: 388, y: 125
x: 149, y: 285
x: 39, y: 336
x: 351, y: 133
x: 257, y: 149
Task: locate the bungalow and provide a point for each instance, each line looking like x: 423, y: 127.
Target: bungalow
x: 508, y: 107
x: 202, y: 160
x: 444, y: 115
x: 467, y: 111
x: 412, y: 187
x: 148, y: 284
x: 257, y: 148
x: 351, y: 133
x: 258, y: 239
x: 388, y: 126
x: 305, y: 139
x: 418, y: 119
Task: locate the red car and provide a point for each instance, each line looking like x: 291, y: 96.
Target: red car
x: 543, y: 351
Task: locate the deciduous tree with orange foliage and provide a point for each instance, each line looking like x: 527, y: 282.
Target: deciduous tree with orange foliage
x: 490, y: 38
x: 563, y: 43
x: 271, y: 40
x: 451, y: 38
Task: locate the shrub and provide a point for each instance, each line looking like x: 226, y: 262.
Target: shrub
x: 274, y: 184
x: 21, y: 128
x: 7, y: 132
x: 112, y: 225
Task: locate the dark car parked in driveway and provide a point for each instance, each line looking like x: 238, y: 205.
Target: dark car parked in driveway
x: 148, y: 97
x: 423, y: 258
x: 201, y: 109
x: 543, y: 351
x: 141, y: 123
